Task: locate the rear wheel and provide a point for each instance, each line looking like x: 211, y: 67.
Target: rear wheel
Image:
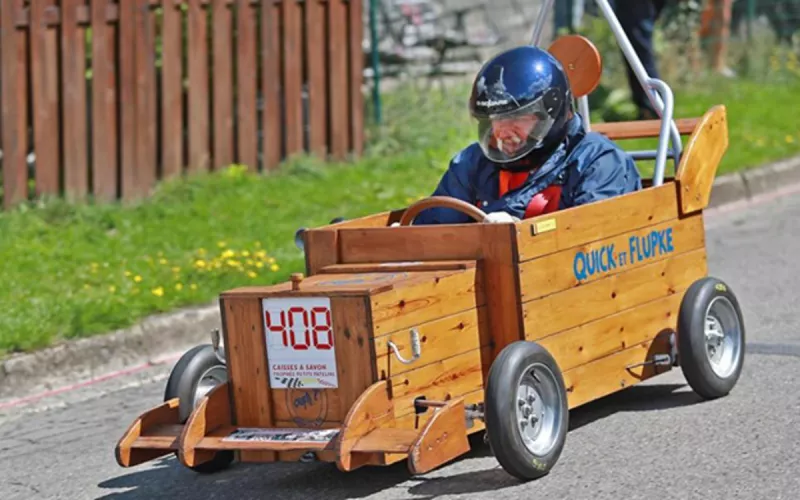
x: 526, y: 410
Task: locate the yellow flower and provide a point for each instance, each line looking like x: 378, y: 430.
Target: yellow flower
x: 271, y: 260
x: 233, y: 263
x: 227, y: 254
x: 162, y: 261
x: 200, y: 263
x: 259, y: 265
x: 251, y: 274
x: 274, y: 267
x: 789, y: 139
x: 221, y: 244
x: 128, y: 274
x: 176, y: 269
x: 261, y: 254
x: 112, y: 289
x: 245, y: 253
x: 201, y: 251
x: 158, y: 292
x: 178, y: 286
x: 137, y: 278
x: 193, y: 286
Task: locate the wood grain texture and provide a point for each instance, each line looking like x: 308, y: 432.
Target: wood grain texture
x: 442, y: 439
x: 640, y: 129
x: 213, y: 413
x: 128, y: 452
x: 701, y: 158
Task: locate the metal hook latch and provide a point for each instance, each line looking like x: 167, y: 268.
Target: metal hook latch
x: 416, y: 348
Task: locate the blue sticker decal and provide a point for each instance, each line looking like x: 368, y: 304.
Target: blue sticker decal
x: 608, y: 258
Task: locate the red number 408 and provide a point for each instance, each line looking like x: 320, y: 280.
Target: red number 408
x: 315, y: 326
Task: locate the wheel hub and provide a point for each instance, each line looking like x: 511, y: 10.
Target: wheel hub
x: 538, y: 406
x: 723, y: 337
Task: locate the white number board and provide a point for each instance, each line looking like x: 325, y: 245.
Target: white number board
x: 300, y: 342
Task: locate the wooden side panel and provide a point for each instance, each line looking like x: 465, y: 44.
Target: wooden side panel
x: 198, y: 104
x: 245, y: 348
x: 212, y: 414
x: 322, y: 249
x: 641, y: 128
x: 602, y: 219
x: 601, y: 298
x: 73, y: 53
x: 270, y: 68
x: 172, y: 91
x: 593, y: 261
x: 443, y: 439
x: 439, y: 339
x: 617, y: 332
x: 46, y: 120
x: 246, y: 49
x: 700, y: 160
x: 613, y: 373
x: 222, y: 122
x: 449, y: 378
x: 310, y: 407
x: 105, y: 101
x: 407, y: 306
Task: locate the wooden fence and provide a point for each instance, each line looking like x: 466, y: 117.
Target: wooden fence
x: 113, y: 95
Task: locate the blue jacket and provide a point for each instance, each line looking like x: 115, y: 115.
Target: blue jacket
x: 589, y: 166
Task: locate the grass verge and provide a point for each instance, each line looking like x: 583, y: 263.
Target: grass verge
x: 73, y: 270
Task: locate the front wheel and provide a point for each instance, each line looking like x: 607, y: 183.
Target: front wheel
x: 711, y: 338
x: 527, y: 414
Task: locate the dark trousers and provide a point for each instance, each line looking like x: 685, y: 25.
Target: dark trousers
x: 638, y: 18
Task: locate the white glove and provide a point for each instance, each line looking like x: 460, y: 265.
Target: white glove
x: 500, y: 218
x: 394, y: 224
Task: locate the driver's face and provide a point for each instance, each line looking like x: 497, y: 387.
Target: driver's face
x: 509, y: 134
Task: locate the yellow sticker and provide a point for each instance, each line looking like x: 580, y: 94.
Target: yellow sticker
x: 544, y: 226
x: 721, y: 288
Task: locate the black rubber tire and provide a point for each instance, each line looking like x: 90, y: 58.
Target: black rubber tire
x: 500, y: 411
x: 185, y: 375
x: 692, y: 343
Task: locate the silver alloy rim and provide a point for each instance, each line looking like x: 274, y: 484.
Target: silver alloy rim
x: 723, y: 335
x: 211, y: 378
x: 538, y: 409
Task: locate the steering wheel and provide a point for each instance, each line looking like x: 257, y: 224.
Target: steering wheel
x: 441, y: 201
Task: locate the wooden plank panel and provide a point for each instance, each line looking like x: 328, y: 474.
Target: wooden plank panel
x: 73, y: 56
x: 439, y: 339
x: 392, y: 267
x: 609, y: 335
x: 127, y: 94
x: 146, y: 138
x: 418, y: 421
x: 292, y: 75
x: 249, y: 375
x: 46, y: 121
x: 322, y: 249
x: 392, y: 244
x: 604, y: 297
x: 247, y: 132
x: 408, y: 305
x: 602, y: 219
x: 198, y: 107
x: 449, y: 378
x: 584, y: 264
x: 309, y: 407
x: 356, y: 60
x: 610, y: 374
x: 272, y: 126
x: 315, y: 73
x: 172, y: 95
x: 222, y: 120
x: 641, y: 128
x: 104, y: 103
x: 337, y: 82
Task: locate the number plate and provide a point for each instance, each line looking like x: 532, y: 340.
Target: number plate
x: 300, y: 343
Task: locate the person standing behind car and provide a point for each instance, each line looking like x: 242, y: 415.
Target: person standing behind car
x: 638, y: 19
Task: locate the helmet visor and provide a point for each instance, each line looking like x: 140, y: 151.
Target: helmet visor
x: 507, y: 137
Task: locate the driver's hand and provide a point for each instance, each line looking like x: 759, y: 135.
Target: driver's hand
x: 394, y: 224
x: 501, y: 217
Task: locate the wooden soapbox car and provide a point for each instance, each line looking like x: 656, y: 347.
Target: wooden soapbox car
x: 399, y: 342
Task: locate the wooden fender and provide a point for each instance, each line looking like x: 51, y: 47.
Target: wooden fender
x: 443, y: 439
x: 213, y: 412
x: 153, y: 434
x: 370, y: 410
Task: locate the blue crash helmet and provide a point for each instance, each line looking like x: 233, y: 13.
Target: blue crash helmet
x: 521, y: 100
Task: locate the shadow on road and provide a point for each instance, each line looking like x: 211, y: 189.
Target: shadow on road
x: 166, y: 478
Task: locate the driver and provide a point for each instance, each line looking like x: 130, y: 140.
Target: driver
x: 532, y: 155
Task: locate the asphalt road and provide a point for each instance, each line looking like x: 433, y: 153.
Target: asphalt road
x: 656, y: 440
